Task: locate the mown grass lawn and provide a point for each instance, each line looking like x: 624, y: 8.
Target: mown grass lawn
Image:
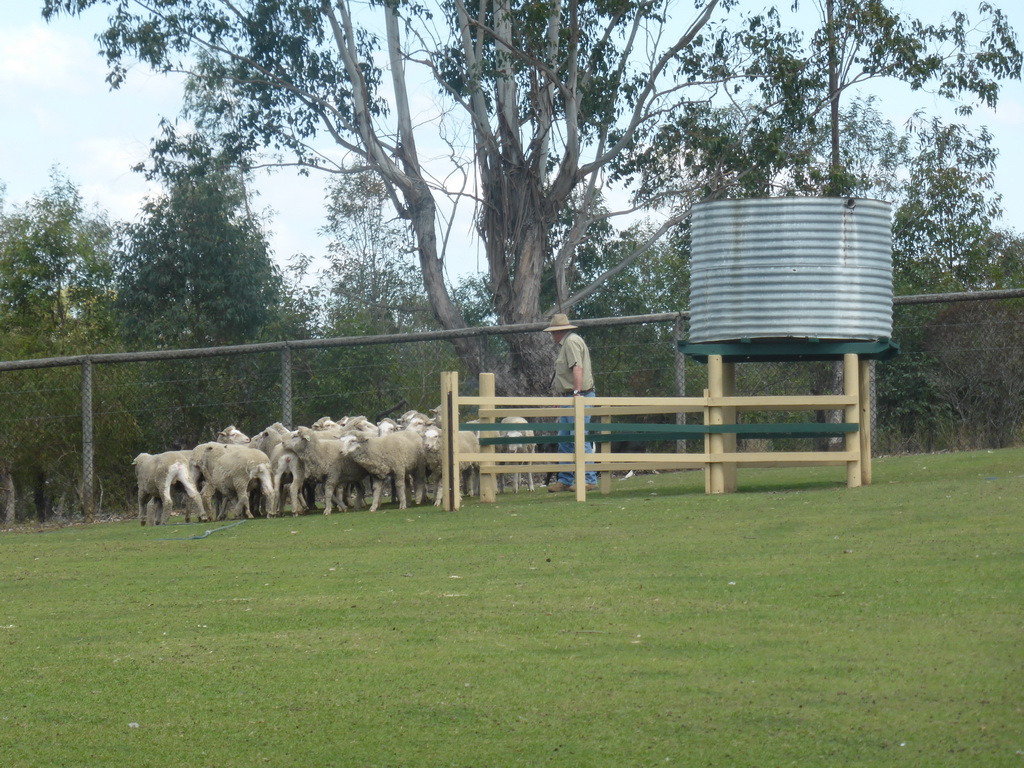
x: 797, y: 622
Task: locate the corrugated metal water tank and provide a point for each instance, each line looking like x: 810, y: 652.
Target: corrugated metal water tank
x: 791, y: 267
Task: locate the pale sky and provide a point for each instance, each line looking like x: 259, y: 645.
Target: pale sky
x: 59, y: 111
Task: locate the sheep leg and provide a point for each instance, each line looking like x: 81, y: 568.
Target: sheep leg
x: 378, y: 486
x: 357, y: 495
x: 242, y: 505
x: 299, y: 504
x: 420, y: 483
x: 269, y: 491
x: 143, y: 498
x: 330, y: 485
x: 334, y: 492
x: 208, y: 500
x: 398, y: 483
x: 166, y: 505
x: 179, y: 473
x: 295, y: 493
x: 279, y: 485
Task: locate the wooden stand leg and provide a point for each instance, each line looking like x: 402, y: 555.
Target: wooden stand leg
x: 865, y: 422
x: 729, y: 415
x: 708, y: 419
x: 851, y: 387
x: 488, y: 478
x: 721, y: 477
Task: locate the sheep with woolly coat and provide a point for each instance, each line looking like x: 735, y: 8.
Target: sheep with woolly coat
x: 232, y: 435
x: 286, y: 469
x: 518, y: 447
x: 398, y: 455
x: 469, y: 471
x: 327, y: 459
x: 232, y: 470
x: 270, y: 437
x: 157, y: 475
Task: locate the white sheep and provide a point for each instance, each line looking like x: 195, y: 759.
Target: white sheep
x: 469, y: 472
x: 232, y: 470
x: 416, y: 420
x: 157, y: 475
x: 358, y: 425
x: 324, y: 423
x: 400, y: 456
x: 286, y: 468
x: 273, y: 435
x: 516, y: 448
x: 386, y: 426
x: 232, y: 436
x: 326, y: 459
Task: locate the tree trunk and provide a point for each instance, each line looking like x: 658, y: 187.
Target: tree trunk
x: 7, y: 493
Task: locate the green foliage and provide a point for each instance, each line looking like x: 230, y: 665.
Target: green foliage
x: 943, y: 228
x: 196, y: 270
x: 768, y: 131
x: 794, y: 623
x: 56, y: 274
x: 370, y: 284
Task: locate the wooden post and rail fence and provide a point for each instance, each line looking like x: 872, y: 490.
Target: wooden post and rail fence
x: 609, y: 421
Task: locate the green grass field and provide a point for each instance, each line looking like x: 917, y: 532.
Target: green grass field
x: 796, y: 623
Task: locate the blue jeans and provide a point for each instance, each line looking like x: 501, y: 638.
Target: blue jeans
x: 569, y: 478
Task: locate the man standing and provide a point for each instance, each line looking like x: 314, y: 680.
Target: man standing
x: 573, y: 376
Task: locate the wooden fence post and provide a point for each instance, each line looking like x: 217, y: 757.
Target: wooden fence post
x: 488, y: 480
x: 449, y: 484
x: 579, y: 448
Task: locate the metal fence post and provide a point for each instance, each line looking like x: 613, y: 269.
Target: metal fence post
x: 88, y: 500
x: 680, y: 372
x: 286, y: 386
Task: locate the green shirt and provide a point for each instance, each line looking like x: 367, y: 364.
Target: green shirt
x: 571, y: 352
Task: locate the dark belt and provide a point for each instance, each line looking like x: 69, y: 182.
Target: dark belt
x: 582, y: 391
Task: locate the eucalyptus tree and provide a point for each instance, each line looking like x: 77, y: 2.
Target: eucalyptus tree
x: 195, y: 269
x: 519, y: 109
x: 370, y: 277
x: 56, y: 273
x: 787, y: 131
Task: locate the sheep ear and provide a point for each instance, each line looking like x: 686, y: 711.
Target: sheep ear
x: 306, y: 438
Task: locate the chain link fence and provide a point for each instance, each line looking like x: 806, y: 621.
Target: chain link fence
x: 70, y: 427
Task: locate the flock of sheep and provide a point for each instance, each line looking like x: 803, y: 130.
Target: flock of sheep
x: 342, y: 460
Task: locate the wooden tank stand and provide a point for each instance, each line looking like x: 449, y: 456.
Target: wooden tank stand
x: 721, y: 359
x: 719, y: 431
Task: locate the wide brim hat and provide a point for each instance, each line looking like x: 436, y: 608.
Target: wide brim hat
x: 560, y: 322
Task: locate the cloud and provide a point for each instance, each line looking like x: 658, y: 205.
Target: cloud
x: 38, y: 57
